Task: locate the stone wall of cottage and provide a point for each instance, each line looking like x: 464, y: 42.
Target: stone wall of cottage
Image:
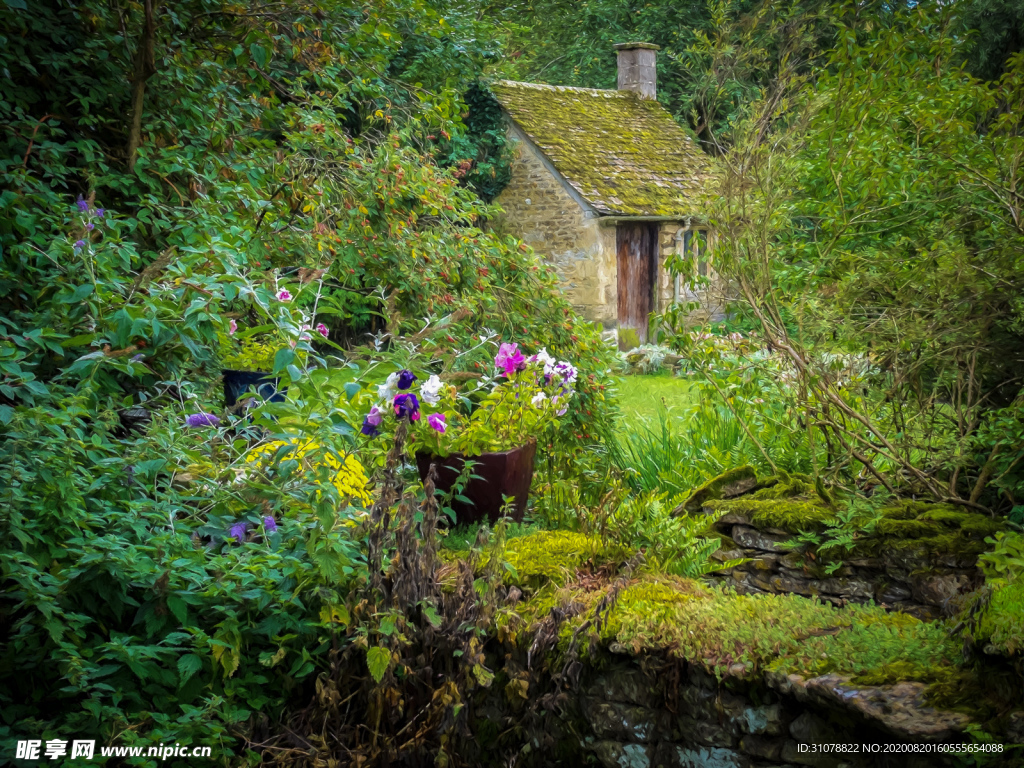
x: 540, y: 212
x: 712, y: 300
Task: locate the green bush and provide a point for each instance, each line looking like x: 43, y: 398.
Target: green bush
x: 128, y: 610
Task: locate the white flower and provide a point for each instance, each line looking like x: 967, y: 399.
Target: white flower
x: 430, y: 392
x: 388, y: 389
x: 538, y: 399
x: 567, y: 372
x: 547, y: 360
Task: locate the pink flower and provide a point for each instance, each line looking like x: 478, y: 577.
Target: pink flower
x: 283, y: 295
x: 322, y: 329
x: 510, y: 359
x: 436, y: 421
x: 232, y: 328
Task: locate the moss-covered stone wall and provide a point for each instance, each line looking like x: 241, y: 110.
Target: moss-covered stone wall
x: 597, y: 664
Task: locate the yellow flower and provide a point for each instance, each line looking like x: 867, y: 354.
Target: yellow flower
x: 349, y: 477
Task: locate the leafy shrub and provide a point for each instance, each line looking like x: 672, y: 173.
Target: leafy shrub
x: 153, y: 585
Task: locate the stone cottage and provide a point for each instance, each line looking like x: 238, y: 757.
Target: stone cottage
x: 606, y: 186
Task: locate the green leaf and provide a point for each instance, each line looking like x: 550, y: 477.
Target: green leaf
x: 378, y: 659
x: 352, y: 389
x: 283, y: 359
x: 188, y: 665
x: 80, y: 294
x: 432, y: 616
x: 178, y: 607
x: 259, y: 55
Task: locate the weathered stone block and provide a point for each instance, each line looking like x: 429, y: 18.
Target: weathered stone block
x: 763, y: 747
x: 939, y: 589
x: 709, y: 757
x: 612, y: 754
x: 847, y: 588
x: 624, y: 722
x: 808, y: 728
x: 704, y: 732
x: 760, y: 720
x: 755, y: 539
x: 892, y: 593
x: 796, y: 586
x: 625, y: 684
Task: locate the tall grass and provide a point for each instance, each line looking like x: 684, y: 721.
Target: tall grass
x: 687, y: 447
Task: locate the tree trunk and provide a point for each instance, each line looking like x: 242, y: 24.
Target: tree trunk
x: 145, y: 66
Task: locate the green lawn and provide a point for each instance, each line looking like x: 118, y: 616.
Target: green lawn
x: 650, y: 398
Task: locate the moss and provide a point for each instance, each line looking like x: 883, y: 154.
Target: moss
x: 908, y: 529
x: 624, y: 154
x: 556, y: 556
x: 786, y: 486
x: 787, y: 514
x: 905, y: 509
x: 1001, y: 626
x: 732, y: 481
x: 715, y: 627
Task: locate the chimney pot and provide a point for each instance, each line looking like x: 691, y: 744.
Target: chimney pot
x: 638, y: 69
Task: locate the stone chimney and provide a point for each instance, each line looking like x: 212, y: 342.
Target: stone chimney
x: 637, y: 68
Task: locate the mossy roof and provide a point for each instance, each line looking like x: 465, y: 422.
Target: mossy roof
x: 624, y: 155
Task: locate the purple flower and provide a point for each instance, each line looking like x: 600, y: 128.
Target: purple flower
x: 322, y: 329
x: 510, y: 359
x: 100, y: 212
x: 232, y: 328
x: 269, y: 524
x: 375, y: 416
x: 368, y: 429
x: 436, y: 422
x: 237, y: 531
x: 406, y: 405
x: 405, y: 378
x: 83, y: 205
x: 284, y: 295
x: 202, y: 420
x: 561, y: 411
x: 90, y: 226
x: 79, y: 244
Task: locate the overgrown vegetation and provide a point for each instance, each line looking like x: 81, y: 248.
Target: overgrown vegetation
x: 300, y: 190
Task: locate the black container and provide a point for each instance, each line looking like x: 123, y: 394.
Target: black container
x: 263, y: 385
x: 506, y: 473
x: 134, y: 420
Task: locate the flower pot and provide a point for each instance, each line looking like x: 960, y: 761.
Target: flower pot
x: 507, y: 473
x: 237, y: 383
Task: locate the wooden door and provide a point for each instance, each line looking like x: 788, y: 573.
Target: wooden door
x: 636, y: 246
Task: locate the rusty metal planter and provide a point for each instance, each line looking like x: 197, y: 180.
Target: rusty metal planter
x: 506, y: 473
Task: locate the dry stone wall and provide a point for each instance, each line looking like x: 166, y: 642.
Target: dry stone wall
x: 924, y: 584
x: 626, y: 716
